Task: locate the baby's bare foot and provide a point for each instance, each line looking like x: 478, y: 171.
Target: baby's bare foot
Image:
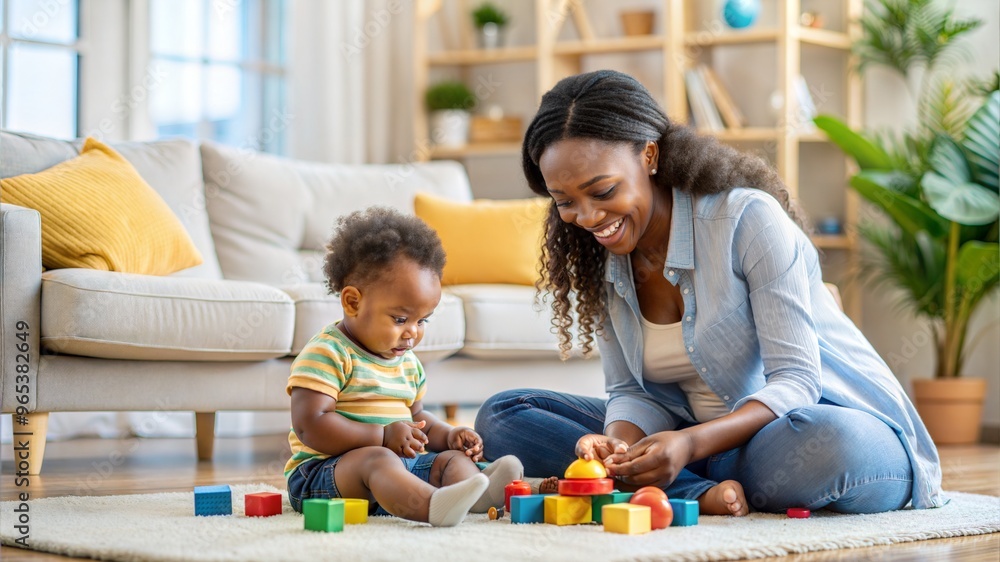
x: 725, y: 498
x: 549, y: 486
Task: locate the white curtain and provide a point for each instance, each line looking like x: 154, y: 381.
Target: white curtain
x: 350, y: 82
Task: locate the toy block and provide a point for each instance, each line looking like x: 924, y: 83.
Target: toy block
x: 598, y: 502
x: 588, y: 487
x: 262, y: 504
x: 355, y: 511
x: 626, y: 518
x: 213, y: 500
x: 586, y: 470
x: 528, y: 509
x: 798, y: 513
x: 567, y: 510
x: 324, y: 515
x: 685, y: 513
x: 515, y: 488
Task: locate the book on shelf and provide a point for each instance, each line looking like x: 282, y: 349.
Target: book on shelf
x: 703, y: 111
x: 730, y: 112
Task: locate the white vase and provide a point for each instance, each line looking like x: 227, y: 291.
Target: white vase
x: 450, y: 127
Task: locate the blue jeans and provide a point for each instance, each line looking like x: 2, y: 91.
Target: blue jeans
x: 315, y: 479
x: 819, y: 456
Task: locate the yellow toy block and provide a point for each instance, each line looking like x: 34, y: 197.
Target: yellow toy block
x: 581, y: 469
x: 355, y: 511
x: 626, y: 518
x: 567, y: 510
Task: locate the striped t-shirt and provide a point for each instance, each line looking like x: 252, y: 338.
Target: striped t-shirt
x: 367, y: 388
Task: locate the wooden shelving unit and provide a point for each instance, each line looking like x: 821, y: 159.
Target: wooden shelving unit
x: 550, y: 59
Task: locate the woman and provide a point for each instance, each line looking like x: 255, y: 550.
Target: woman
x: 727, y: 360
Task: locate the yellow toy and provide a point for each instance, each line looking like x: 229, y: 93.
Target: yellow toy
x: 581, y: 470
x: 626, y: 518
x: 567, y: 510
x: 355, y: 511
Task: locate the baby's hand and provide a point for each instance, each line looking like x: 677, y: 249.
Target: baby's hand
x: 600, y: 447
x: 466, y: 439
x: 404, y: 438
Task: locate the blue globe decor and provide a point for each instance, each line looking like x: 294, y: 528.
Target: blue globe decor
x: 740, y: 13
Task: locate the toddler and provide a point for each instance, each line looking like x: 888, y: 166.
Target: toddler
x: 359, y: 429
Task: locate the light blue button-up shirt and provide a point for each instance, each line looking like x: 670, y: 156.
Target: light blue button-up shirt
x: 758, y: 324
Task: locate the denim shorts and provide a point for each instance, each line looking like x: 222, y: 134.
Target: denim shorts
x: 314, y: 479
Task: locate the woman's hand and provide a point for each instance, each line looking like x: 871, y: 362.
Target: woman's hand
x: 600, y: 447
x: 655, y: 460
x: 466, y: 439
x: 404, y: 438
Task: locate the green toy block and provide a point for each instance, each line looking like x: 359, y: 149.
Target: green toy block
x: 598, y: 502
x: 324, y: 515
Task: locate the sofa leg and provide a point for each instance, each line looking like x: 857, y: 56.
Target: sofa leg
x: 451, y: 413
x: 33, y: 432
x: 204, y: 434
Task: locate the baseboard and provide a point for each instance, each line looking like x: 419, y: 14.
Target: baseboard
x: 990, y: 435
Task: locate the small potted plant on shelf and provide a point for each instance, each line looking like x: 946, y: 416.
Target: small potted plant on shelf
x: 450, y: 104
x: 490, y: 21
x: 937, y: 189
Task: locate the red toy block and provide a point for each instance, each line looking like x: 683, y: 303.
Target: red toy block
x: 515, y: 488
x: 798, y: 513
x: 262, y: 504
x: 586, y: 487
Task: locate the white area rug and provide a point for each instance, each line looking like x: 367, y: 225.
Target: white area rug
x: 163, y: 527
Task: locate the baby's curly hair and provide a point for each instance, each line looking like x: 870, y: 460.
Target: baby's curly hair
x: 366, y: 243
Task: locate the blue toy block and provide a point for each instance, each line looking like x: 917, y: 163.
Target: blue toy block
x: 685, y: 513
x: 598, y: 502
x: 528, y: 509
x: 213, y: 500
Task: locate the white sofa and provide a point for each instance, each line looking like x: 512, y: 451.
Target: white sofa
x: 221, y: 336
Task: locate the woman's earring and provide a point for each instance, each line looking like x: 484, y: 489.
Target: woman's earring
x: 652, y: 172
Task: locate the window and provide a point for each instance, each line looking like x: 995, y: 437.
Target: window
x: 224, y: 68
x: 39, y: 66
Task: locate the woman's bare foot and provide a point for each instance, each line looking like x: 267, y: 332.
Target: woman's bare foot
x: 548, y: 485
x: 725, y: 498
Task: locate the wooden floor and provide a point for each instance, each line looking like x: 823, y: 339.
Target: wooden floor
x: 132, y: 466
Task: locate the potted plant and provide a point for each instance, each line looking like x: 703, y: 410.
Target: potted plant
x: 490, y: 21
x: 937, y: 187
x: 450, y: 103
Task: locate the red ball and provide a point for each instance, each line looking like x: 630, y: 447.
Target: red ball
x: 661, y: 511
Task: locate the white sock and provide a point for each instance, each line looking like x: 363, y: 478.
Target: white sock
x: 449, y: 505
x: 501, y: 472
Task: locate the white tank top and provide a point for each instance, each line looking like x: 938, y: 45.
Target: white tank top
x: 664, y: 361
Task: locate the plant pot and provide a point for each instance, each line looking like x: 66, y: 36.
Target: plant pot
x: 490, y: 36
x: 952, y: 409
x: 638, y: 22
x: 450, y: 127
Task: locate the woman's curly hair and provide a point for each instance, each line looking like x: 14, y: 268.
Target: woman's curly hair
x: 613, y: 107
x: 366, y: 243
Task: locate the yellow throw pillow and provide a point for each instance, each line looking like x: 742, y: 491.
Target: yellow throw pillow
x: 487, y: 241
x: 98, y: 213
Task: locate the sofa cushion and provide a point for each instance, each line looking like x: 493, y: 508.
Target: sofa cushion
x: 315, y: 308
x: 127, y: 316
x: 502, y: 322
x: 98, y: 213
x: 171, y: 167
x: 271, y: 217
x: 487, y: 241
